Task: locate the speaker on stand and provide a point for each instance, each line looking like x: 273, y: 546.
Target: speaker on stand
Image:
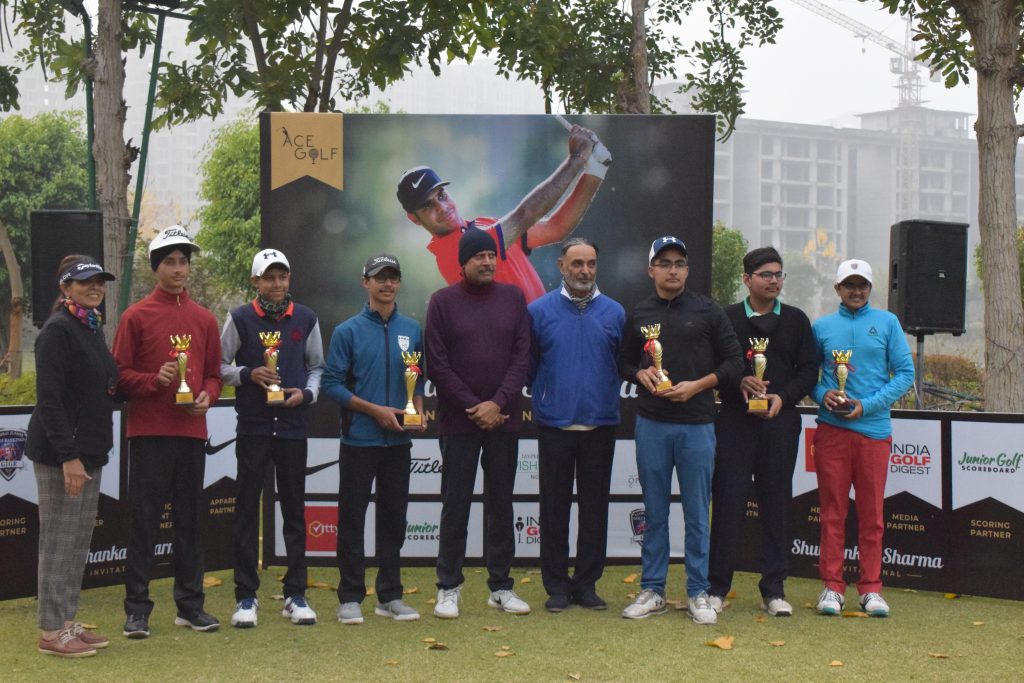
x: 55, y: 234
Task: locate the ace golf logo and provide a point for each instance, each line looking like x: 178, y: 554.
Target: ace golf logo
x: 306, y: 145
x: 638, y: 523
x: 12, y: 452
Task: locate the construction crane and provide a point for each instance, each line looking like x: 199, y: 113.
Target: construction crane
x: 910, y: 127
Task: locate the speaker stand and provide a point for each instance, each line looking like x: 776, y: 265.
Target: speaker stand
x: 919, y: 375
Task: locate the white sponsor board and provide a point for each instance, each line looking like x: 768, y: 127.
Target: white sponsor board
x: 527, y: 468
x: 988, y: 462
x: 526, y: 529
x: 322, y: 461
x: 623, y: 541
x: 20, y: 481
x: 220, y: 425
x: 625, y: 479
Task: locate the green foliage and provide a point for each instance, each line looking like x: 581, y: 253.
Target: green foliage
x: 18, y: 392
x: 42, y: 166
x: 230, y: 218
x: 979, y: 264
x: 727, y: 250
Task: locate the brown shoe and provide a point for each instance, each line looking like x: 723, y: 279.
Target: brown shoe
x: 65, y: 644
x: 97, y: 640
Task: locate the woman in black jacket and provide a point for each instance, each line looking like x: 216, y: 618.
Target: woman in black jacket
x: 69, y: 437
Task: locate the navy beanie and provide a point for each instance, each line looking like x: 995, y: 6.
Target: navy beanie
x: 158, y: 255
x: 472, y: 242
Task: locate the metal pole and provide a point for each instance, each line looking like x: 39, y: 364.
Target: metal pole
x: 133, y: 230
x: 919, y: 376
x: 90, y: 163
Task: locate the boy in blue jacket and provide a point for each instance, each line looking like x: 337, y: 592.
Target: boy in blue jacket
x: 365, y: 374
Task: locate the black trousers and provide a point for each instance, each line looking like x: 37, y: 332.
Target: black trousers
x: 765, y: 449
x: 255, y: 454
x: 586, y: 457
x: 163, y: 468
x: 460, y: 453
x: 389, y: 465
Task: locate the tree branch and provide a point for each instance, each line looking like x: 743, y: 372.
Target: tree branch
x: 259, y: 54
x: 316, y: 76
x: 340, y: 28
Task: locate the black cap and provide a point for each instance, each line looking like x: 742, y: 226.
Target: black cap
x: 472, y: 242
x: 377, y: 263
x: 83, y: 270
x: 416, y: 185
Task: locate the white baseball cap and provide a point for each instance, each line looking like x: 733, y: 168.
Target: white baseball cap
x: 853, y: 267
x: 267, y: 258
x: 174, y: 235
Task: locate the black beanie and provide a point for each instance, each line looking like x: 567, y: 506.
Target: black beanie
x: 472, y: 242
x: 158, y: 255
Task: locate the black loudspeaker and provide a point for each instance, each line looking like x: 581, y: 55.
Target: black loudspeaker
x: 55, y: 234
x: 928, y: 276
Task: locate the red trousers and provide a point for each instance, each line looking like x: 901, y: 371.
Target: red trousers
x: 843, y: 457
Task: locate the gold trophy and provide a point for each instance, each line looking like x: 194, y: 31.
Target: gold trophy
x: 758, y: 346
x: 411, y: 419
x: 655, y: 351
x: 272, y: 340
x: 180, y: 344
x: 842, y: 359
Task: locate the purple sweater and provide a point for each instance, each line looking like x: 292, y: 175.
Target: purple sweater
x: 477, y: 342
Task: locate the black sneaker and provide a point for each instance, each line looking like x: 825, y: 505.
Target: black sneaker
x: 557, y: 603
x: 136, y: 626
x: 589, y: 599
x: 197, y: 621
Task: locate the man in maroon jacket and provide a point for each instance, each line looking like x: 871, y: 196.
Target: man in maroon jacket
x: 166, y: 440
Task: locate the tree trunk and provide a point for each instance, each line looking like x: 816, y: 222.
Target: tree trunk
x: 13, y: 358
x: 634, y: 95
x: 994, y: 33
x: 113, y: 158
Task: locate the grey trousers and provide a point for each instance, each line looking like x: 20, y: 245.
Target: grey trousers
x: 65, y: 532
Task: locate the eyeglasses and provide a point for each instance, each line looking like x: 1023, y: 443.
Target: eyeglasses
x: 381, y: 278
x: 668, y: 265
x: 855, y: 286
x: 768, y: 275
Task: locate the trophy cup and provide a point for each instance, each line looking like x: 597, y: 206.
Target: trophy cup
x: 653, y: 349
x: 758, y: 346
x: 411, y: 419
x: 272, y: 340
x: 842, y: 359
x: 179, y: 345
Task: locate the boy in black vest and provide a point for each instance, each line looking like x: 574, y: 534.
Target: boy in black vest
x: 278, y: 358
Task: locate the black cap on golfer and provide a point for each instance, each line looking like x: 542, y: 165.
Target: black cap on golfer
x: 416, y: 185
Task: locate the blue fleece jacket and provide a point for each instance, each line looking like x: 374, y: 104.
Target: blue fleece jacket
x: 574, y: 376
x: 881, y: 368
x: 365, y: 360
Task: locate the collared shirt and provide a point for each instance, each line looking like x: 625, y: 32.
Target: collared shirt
x: 776, y: 309
x: 581, y: 302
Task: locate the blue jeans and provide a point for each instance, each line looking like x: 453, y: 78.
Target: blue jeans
x: 690, y: 449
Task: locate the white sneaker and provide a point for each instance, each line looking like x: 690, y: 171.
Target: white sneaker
x: 647, y: 603
x: 874, y: 604
x: 298, y: 610
x: 397, y: 610
x: 716, y: 603
x: 245, y: 613
x: 777, y: 607
x: 508, y: 600
x: 830, y: 603
x: 350, y: 613
x: 700, y: 609
x: 447, y: 606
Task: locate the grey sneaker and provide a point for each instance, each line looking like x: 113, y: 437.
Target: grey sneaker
x: 350, y: 613
x: 874, y: 604
x: 647, y: 603
x: 700, y: 609
x: 397, y: 610
x: 508, y: 601
x: 830, y: 603
x: 777, y: 607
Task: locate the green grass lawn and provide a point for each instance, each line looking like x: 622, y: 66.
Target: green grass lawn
x: 979, y: 639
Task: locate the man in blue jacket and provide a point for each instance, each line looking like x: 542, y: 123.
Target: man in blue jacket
x: 365, y: 374
x: 575, y: 387
x: 852, y: 448
x: 271, y: 435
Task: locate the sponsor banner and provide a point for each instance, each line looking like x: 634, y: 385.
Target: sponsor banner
x: 322, y: 467
x: 915, y: 461
x: 626, y: 523
x: 625, y: 480
x: 306, y: 145
x: 425, y: 468
x: 527, y: 469
x: 988, y: 462
x: 804, y: 477
x: 526, y: 522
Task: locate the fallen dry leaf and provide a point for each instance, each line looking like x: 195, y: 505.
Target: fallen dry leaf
x: 777, y: 643
x: 88, y: 627
x: 632, y: 595
x: 857, y: 615
x: 392, y: 662
x: 951, y: 596
x: 506, y: 647
x: 432, y: 601
x: 280, y: 577
x: 938, y: 655
x: 808, y: 605
x: 437, y: 646
x: 721, y: 642
x: 429, y: 640
x: 211, y: 582
x: 909, y: 590
x: 504, y: 653
x: 979, y: 623
x: 760, y: 619
x: 835, y: 662
x: 731, y: 594
x: 319, y: 584
x: 526, y: 579
x: 575, y: 676
x: 630, y: 579
x: 371, y: 591
x: 277, y: 597
x: 410, y: 591
x: 492, y: 629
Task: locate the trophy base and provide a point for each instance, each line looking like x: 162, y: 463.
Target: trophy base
x: 275, y: 398
x: 757, y: 405
x: 184, y: 398
x: 412, y: 421
x: 844, y: 409
x: 662, y: 386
